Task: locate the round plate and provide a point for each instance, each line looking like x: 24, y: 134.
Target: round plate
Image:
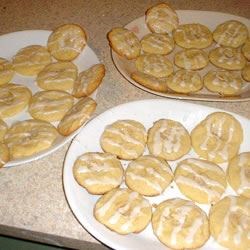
x: 208, y: 18
x: 10, y: 44
x: 146, y: 112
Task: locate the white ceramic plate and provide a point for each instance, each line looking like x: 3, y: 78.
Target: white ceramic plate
x: 146, y: 112
x: 208, y: 18
x: 9, y: 45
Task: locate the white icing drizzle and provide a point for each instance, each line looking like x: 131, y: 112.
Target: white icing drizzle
x: 204, y: 165
x: 102, y: 181
x: 244, y: 181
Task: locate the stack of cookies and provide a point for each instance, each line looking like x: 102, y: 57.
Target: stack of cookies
x: 60, y: 106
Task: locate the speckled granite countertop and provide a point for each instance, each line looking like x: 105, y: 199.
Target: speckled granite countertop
x: 32, y: 200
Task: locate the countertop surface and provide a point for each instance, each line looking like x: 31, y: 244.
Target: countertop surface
x: 32, y: 201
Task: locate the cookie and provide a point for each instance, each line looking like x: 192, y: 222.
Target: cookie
x: 89, y: 80
x: 3, y: 129
x: 124, y: 42
x: 161, y: 18
x: 77, y: 116
x: 50, y: 105
x: 231, y: 33
x: 57, y: 76
x: 227, y: 58
x: 180, y: 224
x: 191, y: 59
x: 238, y: 174
x: 223, y: 82
x: 154, y: 65
x: 168, y: 139
x: 158, y: 84
x: 66, y: 42
x: 156, y: 43
x: 4, y: 154
x: 245, y: 73
x: 29, y: 61
x: 148, y: 175
x: 26, y: 138
x: 200, y: 180
x: 217, y: 138
x: 98, y: 173
x: 232, y: 231
x: 123, y: 211
x: 246, y: 49
x: 6, y: 71
x: 14, y: 98
x: 124, y: 138
x: 193, y: 36
x: 185, y: 81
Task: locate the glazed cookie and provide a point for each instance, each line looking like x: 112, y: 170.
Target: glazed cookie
x: 57, y: 76
x: 124, y: 138
x: 193, y: 36
x: 3, y: 129
x: 185, y: 81
x: 227, y: 58
x: 150, y: 82
x: 160, y: 18
x: 168, y: 139
x: 66, y: 42
x: 246, y: 49
x: 89, y: 80
x: 13, y: 99
x: 98, y: 172
x: 148, y: 175
x: 4, y: 154
x: 191, y: 59
x: 50, y: 105
x: 154, y: 65
x: 77, y: 116
x: 200, y: 180
x: 6, y: 71
x: 218, y: 137
x: 29, y: 61
x: 231, y: 33
x: 238, y: 174
x: 26, y: 138
x: 180, y: 224
x: 246, y: 73
x: 124, y: 42
x: 156, y: 43
x: 232, y: 231
x: 123, y: 211
x: 226, y: 83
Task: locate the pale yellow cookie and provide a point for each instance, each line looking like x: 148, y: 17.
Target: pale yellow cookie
x: 191, y: 59
x: 124, y: 42
x: 180, y: 224
x: 218, y: 137
x: 148, y: 175
x: 168, y: 139
x: 89, y: 80
x: 246, y: 73
x: 3, y: 129
x: 98, y: 172
x: 231, y: 33
x: 156, y: 43
x: 225, y: 83
x: 50, y: 105
x: 26, y: 138
x: 161, y: 18
x: 200, y: 180
x: 238, y: 174
x: 230, y: 222
x: 151, y: 82
x: 77, y: 116
x: 193, y: 36
x: 123, y: 211
x: 66, y: 42
x: 185, y: 81
x: 227, y: 58
x: 124, y: 138
x: 6, y: 71
x: 4, y: 154
x: 14, y: 98
x: 154, y: 65
x: 57, y: 76
x: 246, y: 49
x: 29, y: 61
